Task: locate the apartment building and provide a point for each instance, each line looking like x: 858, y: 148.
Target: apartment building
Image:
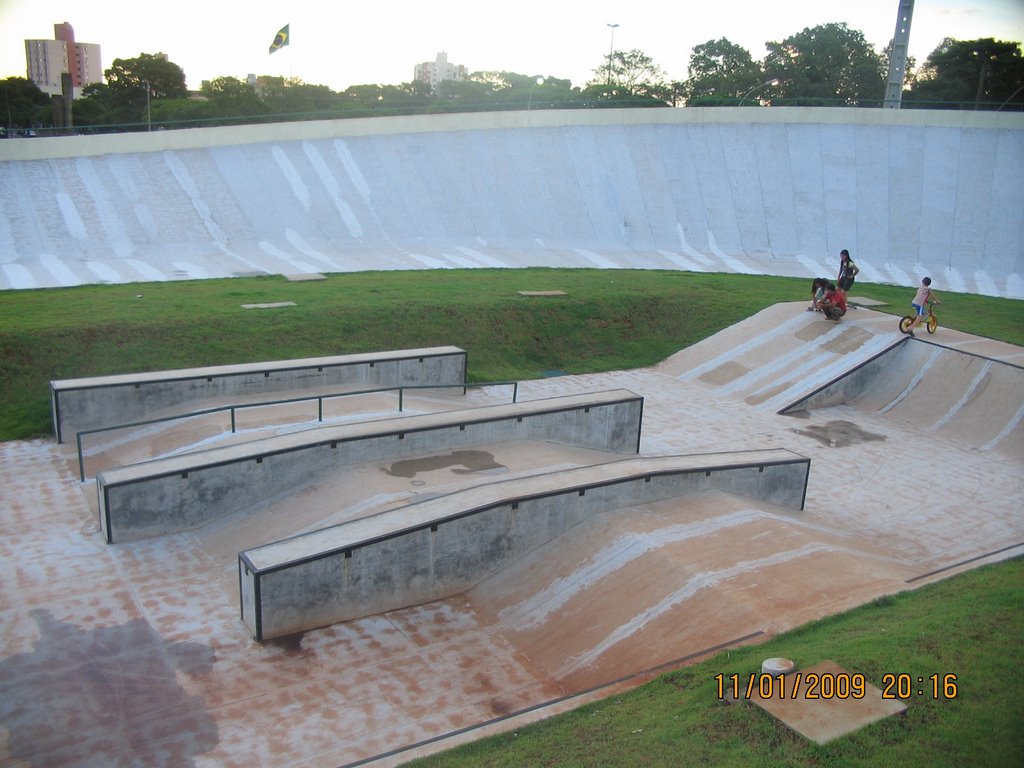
x: 439, y: 70
x: 48, y: 59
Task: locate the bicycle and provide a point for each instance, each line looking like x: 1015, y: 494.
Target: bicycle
x: 931, y: 321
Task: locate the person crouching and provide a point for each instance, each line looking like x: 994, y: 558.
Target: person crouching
x: 834, y: 304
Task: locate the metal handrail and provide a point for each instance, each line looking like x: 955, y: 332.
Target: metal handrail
x: 264, y: 403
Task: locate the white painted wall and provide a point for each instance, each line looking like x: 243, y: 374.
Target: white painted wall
x: 776, y: 191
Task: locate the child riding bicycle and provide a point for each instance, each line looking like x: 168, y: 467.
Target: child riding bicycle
x: 924, y: 296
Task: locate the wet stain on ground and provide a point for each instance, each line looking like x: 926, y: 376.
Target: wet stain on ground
x: 461, y: 462
x: 838, y: 434
x: 118, y: 688
x: 289, y: 643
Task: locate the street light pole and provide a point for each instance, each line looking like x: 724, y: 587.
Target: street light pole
x: 611, y: 52
x: 529, y: 102
x: 773, y: 81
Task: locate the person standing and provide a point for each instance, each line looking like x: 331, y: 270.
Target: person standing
x: 848, y: 271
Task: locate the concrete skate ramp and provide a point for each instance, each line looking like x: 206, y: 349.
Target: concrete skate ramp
x: 438, y: 548
x: 641, y: 587
x: 776, y: 191
x: 783, y: 354
x: 101, y: 401
x: 976, y: 400
x: 178, y: 493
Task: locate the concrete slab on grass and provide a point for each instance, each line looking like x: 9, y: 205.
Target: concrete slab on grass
x: 824, y: 707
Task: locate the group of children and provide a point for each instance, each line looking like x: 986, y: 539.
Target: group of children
x: 830, y: 298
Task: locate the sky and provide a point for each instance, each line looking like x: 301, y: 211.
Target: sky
x: 342, y: 44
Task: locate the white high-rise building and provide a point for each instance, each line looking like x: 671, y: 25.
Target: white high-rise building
x: 48, y: 59
x: 439, y: 70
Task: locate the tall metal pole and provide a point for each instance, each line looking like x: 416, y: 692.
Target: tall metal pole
x: 898, y: 56
x: 611, y: 52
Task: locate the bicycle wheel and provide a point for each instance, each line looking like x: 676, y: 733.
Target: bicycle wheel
x: 905, y: 323
x: 933, y: 323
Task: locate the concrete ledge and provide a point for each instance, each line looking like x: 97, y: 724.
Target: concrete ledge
x: 78, y: 404
x: 182, y: 492
x: 441, y: 547
x: 44, y: 148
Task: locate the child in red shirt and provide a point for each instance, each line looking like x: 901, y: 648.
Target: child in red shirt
x: 834, y: 303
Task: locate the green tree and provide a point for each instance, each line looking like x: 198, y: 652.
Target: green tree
x: 164, y: 78
x: 976, y: 74
x: 25, y: 105
x: 291, y: 96
x: 401, y: 99
x: 231, y: 97
x: 131, y: 92
x: 827, y: 65
x: 630, y: 77
x: 721, y: 72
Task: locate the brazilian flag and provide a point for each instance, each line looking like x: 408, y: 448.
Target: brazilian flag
x: 281, y: 40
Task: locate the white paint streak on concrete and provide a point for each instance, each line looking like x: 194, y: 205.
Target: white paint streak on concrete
x: 192, y: 271
x: 596, y: 259
x: 355, y: 176
x: 534, y: 611
x: 189, y: 187
x: 1010, y: 426
x: 679, y: 261
x: 782, y: 329
x: 348, y: 216
x: 483, y: 259
x: 733, y: 264
x: 117, y: 238
x: 966, y: 397
x: 59, y: 269
x: 293, y: 177
x: 694, y: 585
x: 72, y: 220
x: 918, y: 376
x: 18, y: 276
x: 689, y: 250
x: 985, y: 284
x: 104, y: 272
x: 298, y: 242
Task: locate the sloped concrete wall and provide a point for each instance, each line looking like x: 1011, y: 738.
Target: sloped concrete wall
x: 776, y: 191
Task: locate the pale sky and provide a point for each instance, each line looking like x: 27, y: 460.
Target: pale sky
x: 341, y: 44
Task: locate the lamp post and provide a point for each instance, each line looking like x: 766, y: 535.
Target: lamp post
x: 149, y: 114
x: 529, y: 102
x: 611, y: 51
x: 773, y: 81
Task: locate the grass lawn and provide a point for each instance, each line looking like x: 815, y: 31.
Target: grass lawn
x: 969, y: 626
x: 607, y: 320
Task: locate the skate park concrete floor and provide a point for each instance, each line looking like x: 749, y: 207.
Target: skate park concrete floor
x: 136, y: 654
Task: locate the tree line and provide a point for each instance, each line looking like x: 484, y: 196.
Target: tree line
x: 828, y: 65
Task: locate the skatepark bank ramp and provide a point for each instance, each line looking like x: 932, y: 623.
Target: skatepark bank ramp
x: 976, y: 400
